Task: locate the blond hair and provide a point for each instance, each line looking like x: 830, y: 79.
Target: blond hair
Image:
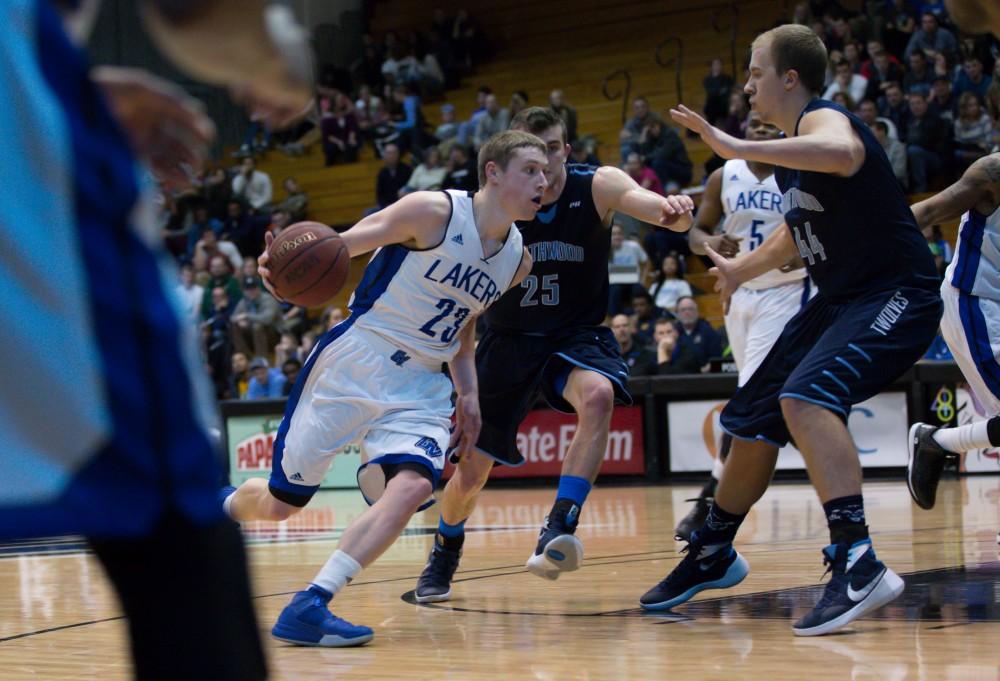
x: 796, y: 48
x: 501, y: 147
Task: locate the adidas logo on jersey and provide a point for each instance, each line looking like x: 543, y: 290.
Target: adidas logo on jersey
x: 734, y: 178
x: 297, y: 477
x: 458, y: 239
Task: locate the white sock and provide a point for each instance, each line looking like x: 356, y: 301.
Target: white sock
x: 340, y: 568
x: 717, y: 468
x: 963, y: 438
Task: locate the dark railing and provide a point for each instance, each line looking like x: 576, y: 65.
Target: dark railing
x: 733, y: 14
x: 676, y: 60
x: 624, y: 94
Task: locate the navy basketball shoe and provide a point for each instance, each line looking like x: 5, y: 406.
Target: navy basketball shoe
x: 434, y: 585
x: 557, y: 551
x: 924, y: 465
x: 307, y: 621
x: 859, y: 583
x: 717, y: 566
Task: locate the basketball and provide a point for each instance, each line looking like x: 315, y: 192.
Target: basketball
x: 309, y: 263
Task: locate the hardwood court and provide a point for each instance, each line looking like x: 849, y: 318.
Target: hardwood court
x: 58, y: 619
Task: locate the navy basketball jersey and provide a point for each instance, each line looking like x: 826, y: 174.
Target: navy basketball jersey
x: 855, y: 234
x: 568, y: 283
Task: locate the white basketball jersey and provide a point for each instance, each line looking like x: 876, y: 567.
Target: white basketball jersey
x: 752, y: 210
x: 975, y: 269
x: 421, y: 300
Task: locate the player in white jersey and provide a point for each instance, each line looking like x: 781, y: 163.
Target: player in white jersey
x: 971, y: 321
x: 746, y: 198
x: 376, y: 379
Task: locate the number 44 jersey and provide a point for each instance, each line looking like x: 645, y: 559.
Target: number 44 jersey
x: 420, y: 299
x: 568, y: 283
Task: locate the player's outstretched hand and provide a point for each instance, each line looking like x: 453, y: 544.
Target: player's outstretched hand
x: 468, y: 422
x: 165, y: 126
x: 721, y: 143
x: 262, y: 269
x: 676, y: 207
x: 729, y: 245
x: 725, y: 279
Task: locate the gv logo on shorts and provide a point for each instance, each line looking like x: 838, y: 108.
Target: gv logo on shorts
x: 430, y: 446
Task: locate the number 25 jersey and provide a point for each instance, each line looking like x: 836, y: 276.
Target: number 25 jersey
x: 568, y: 284
x: 420, y: 300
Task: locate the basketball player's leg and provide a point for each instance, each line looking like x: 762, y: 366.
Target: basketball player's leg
x: 586, y: 375
x: 254, y: 500
x: 971, y: 328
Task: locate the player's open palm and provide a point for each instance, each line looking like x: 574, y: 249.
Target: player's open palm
x: 468, y: 422
x: 722, y: 144
x: 262, y: 269
x: 726, y: 282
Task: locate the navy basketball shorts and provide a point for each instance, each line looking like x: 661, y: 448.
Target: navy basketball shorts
x: 835, y: 355
x: 513, y: 368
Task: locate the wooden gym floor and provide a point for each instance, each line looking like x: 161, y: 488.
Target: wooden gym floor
x: 58, y: 618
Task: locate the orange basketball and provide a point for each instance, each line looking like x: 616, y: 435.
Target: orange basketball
x: 308, y: 263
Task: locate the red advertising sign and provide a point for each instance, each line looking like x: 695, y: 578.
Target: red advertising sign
x: 544, y: 437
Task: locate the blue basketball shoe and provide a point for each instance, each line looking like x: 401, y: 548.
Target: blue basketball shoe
x: 716, y: 566
x: 307, y: 621
x: 557, y: 551
x: 859, y: 584
x: 434, y: 585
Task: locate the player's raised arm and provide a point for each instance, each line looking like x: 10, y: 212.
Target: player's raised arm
x: 777, y: 249
x: 980, y: 184
x: 614, y: 190
x: 706, y: 220
x: 417, y: 220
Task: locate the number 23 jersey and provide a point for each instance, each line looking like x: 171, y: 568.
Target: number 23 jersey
x: 568, y: 284
x: 420, y: 300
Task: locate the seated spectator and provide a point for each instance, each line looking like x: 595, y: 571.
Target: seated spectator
x: 848, y: 82
x: 880, y: 71
x: 211, y: 246
x: 852, y: 55
x: 697, y: 332
x: 308, y: 343
x: 898, y: 27
x: 894, y: 107
x: 993, y: 94
x: 644, y: 315
x: 629, y: 136
x: 669, y: 285
x: 265, y: 382
x: 462, y: 171
x: 190, y: 295
x: 672, y: 355
x: 894, y: 149
x: 717, y: 88
x: 340, y: 130
x: 290, y: 368
x: 410, y: 135
x: 239, y: 376
x: 294, y: 319
x: 201, y: 222
x: 640, y: 359
x: 735, y: 124
x: 567, y: 113
x: 467, y: 129
x: 252, y: 185
x: 217, y: 191
x: 221, y: 278
x: 391, y: 178
x: 287, y: 348
x: 296, y: 203
x: 432, y: 77
x: 518, y: 101
x: 637, y: 169
x: 972, y: 79
x: 927, y: 144
x: 493, y: 120
x: 447, y: 132
x: 582, y: 152
x: 331, y: 317
x: 427, y: 176
x: 942, y: 101
x: 630, y: 266
x: 255, y: 320
x: 246, y: 231
x: 868, y: 112
x: 919, y: 75
x: 664, y: 151
x: 216, y: 335
x: 930, y: 38
x: 973, y: 131
x: 843, y: 99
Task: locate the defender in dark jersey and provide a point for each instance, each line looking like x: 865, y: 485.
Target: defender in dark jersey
x: 876, y: 312
x: 546, y: 335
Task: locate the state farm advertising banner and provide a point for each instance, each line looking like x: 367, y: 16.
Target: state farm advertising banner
x: 879, y: 427
x: 544, y: 436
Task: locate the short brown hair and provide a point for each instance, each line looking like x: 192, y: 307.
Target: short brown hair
x: 500, y: 149
x: 795, y: 47
x: 537, y: 119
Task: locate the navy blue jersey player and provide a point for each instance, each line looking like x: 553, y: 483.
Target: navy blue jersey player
x: 876, y: 312
x: 546, y: 336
